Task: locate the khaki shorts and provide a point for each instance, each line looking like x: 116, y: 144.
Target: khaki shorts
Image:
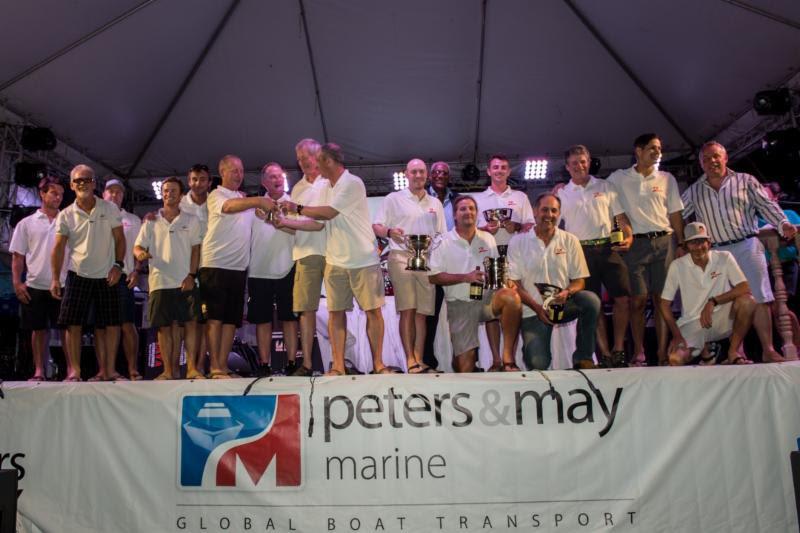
x: 365, y: 284
x: 464, y: 318
x: 412, y: 290
x: 721, y: 328
x: 307, y: 283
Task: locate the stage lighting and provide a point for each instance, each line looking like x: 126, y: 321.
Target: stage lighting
x: 594, y: 166
x: 37, y: 139
x: 535, y: 169
x: 157, y: 189
x: 774, y: 102
x: 470, y: 172
x: 400, y: 181
x: 782, y: 144
x: 29, y: 174
x: 285, y: 182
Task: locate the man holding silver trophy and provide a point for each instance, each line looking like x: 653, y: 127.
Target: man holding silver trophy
x: 549, y: 269
x: 456, y: 265
x: 410, y: 219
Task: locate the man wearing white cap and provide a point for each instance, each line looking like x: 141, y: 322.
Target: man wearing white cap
x: 715, y: 301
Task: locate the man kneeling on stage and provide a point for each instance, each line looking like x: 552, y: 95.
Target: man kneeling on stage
x: 715, y: 301
x: 455, y: 264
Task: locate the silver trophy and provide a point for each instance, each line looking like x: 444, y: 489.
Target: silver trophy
x: 501, y: 215
x: 495, y: 268
x: 418, y: 245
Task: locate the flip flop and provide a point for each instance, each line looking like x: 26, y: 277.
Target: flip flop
x: 36, y: 379
x: 95, y: 379
x: 195, y: 375
x: 739, y: 360
x: 117, y: 377
x: 511, y: 367
x: 422, y: 369
x: 73, y: 379
x: 219, y: 374
x: 386, y: 370
x: 334, y: 373
x: 496, y: 367
x: 136, y: 376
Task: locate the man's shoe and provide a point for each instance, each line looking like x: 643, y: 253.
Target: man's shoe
x: 264, y: 370
x: 584, y: 364
x: 618, y: 359
x: 290, y: 368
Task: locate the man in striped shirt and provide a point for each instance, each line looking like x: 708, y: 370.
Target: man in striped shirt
x: 728, y: 203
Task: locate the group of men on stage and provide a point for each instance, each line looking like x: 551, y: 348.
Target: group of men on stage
x: 206, y: 250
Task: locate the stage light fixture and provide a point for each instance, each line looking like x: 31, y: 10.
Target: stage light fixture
x: 535, y: 169
x: 285, y: 182
x: 37, y: 139
x: 782, y: 144
x: 773, y: 102
x: 29, y: 174
x: 470, y: 172
x: 157, y: 189
x: 400, y: 181
x: 594, y: 166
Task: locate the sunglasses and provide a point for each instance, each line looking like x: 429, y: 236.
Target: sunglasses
x: 199, y: 168
x: 83, y: 181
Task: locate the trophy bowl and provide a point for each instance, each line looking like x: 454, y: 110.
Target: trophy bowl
x: 499, y: 214
x: 495, y: 268
x: 418, y: 245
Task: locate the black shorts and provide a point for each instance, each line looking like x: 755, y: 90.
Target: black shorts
x: 606, y: 269
x: 82, y: 293
x: 127, y: 301
x: 171, y: 305
x: 265, y: 294
x: 42, y: 311
x: 222, y: 294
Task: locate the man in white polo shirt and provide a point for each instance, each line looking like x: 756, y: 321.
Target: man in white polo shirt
x: 456, y: 264
x: 171, y: 244
x: 309, y: 248
x: 93, y: 230
x: 352, y: 266
x: 499, y: 194
x: 411, y: 211
x: 114, y: 192
x: 33, y: 239
x: 225, y: 255
x: 591, y: 212
x: 270, y: 278
x: 552, y: 259
x: 715, y: 301
x: 650, y: 199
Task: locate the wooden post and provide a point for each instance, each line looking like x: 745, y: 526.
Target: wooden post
x: 769, y: 236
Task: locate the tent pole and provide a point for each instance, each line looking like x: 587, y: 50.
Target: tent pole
x: 480, y: 83
x: 764, y: 13
x: 313, y: 66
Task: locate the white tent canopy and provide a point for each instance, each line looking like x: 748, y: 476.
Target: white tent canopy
x: 149, y: 88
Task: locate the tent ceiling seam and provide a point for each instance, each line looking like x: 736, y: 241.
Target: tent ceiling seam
x: 764, y: 13
x: 630, y: 73
x: 480, y: 83
x: 185, y: 85
x: 49, y: 59
x: 313, y: 66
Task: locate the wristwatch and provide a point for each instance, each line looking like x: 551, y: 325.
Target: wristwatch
x: 300, y: 209
x: 714, y: 301
x: 119, y: 264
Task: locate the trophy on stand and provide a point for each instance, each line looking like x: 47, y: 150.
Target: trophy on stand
x: 418, y: 245
x: 500, y: 215
x: 495, y: 268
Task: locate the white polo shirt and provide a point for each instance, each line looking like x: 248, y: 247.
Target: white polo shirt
x: 306, y: 193
x: 518, y: 201
x: 647, y: 200
x: 414, y: 215
x: 270, y: 250
x: 455, y: 255
x: 351, y: 242
x: 697, y: 286
x: 187, y: 205
x: 227, y: 240
x: 588, y: 211
x: 131, y: 224
x: 531, y: 262
x: 89, y: 237
x: 170, y: 244
x: 34, y: 237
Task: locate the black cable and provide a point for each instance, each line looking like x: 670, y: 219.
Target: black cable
x: 2, y: 394
x: 311, y: 407
x: 549, y: 382
x: 589, y: 381
x: 250, y: 386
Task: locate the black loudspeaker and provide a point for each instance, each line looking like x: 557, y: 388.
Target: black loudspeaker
x: 8, y: 501
x: 38, y: 139
x: 29, y: 174
x: 774, y: 102
x: 782, y: 144
x: 470, y: 172
x: 594, y: 166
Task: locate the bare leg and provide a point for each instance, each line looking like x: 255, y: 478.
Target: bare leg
x: 620, y: 317
x: 743, y: 309
x: 202, y: 347
x: 493, y: 335
x: 190, y: 344
x: 662, y: 332
x: 465, y: 362
x: 762, y: 320
x: 39, y: 348
x: 420, y: 330
x: 165, y: 343
x: 308, y: 324
x: 337, y: 332
x: 112, y: 336
x: 214, y: 343
x: 100, y: 353
x: 638, y: 303
x: 73, y: 352
x: 130, y: 346
x: 290, y: 339
x: 507, y: 302
x: 602, y: 337
x: 375, y: 336
x: 264, y: 339
x: 407, y: 339
x: 225, y: 346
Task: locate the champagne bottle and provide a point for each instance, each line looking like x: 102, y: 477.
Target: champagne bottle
x: 616, y: 235
x: 476, y: 288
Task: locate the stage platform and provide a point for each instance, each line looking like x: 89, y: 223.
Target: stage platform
x: 693, y: 449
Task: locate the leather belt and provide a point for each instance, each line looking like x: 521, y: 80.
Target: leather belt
x: 652, y: 234
x: 734, y: 241
x: 596, y: 242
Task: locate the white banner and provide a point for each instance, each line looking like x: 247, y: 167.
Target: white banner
x: 649, y: 450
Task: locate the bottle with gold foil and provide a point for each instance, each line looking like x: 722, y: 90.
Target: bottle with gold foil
x: 476, y: 288
x: 616, y: 236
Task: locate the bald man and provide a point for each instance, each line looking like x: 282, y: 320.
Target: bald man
x: 411, y: 211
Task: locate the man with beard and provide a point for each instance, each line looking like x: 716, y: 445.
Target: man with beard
x: 553, y: 258
x: 456, y: 264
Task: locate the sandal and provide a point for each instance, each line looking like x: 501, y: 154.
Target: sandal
x: 136, y: 376
x: 36, y: 378
x: 511, y: 367
x: 302, y: 372
x: 496, y: 367
x: 334, y: 373
x: 386, y: 370
x: 219, y: 374
x: 739, y: 360
x: 72, y: 379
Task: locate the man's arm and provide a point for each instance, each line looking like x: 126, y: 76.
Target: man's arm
x: 448, y: 278
x: 56, y: 264
x: 740, y: 289
x: 299, y: 225
x: 317, y: 212
x: 666, y: 312
x: 627, y: 233
x: 527, y: 299
x: 676, y: 221
x: 188, y: 282
x: 396, y: 234
x: 119, y: 255
x: 237, y: 205
x: 17, y: 269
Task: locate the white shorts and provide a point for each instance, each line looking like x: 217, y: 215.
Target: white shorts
x: 753, y: 261
x: 721, y: 328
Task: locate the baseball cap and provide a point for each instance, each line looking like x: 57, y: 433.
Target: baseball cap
x: 695, y: 230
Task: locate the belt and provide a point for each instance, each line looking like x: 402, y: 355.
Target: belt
x: 652, y: 234
x: 734, y: 241
x: 596, y: 242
